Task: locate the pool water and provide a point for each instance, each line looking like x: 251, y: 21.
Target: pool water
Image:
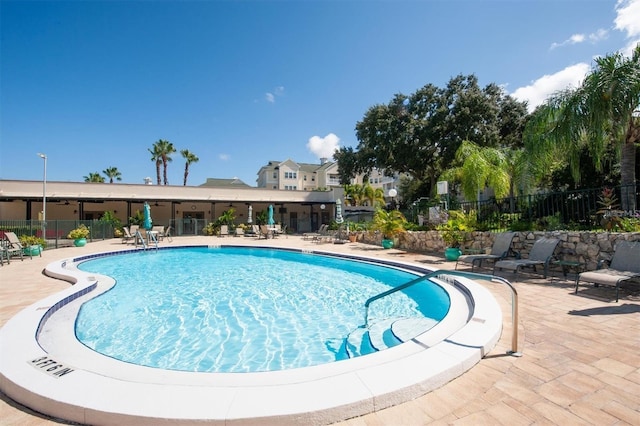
x: 235, y: 309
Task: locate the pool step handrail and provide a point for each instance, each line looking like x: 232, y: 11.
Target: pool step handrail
x: 151, y: 238
x: 138, y: 235
x: 471, y: 275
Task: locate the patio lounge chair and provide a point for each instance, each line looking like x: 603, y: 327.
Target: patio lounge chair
x: 313, y: 235
x: 500, y: 250
x: 263, y: 231
x: 13, y: 247
x: 624, y: 266
x: 126, y: 235
x: 540, y: 255
x: 224, y: 231
x: 159, y: 232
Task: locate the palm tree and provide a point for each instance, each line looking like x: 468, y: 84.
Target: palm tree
x: 161, y: 154
x: 354, y: 193
x: 502, y: 170
x: 94, y: 178
x: 479, y: 167
x: 603, y: 111
x: 189, y: 158
x: 156, y: 156
x: 373, y: 196
x: 112, y: 173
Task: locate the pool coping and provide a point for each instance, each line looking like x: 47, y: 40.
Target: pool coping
x: 312, y: 395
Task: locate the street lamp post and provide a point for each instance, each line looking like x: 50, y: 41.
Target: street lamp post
x: 392, y: 194
x: 44, y: 196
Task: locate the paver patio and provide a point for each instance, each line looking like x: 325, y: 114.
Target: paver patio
x: 580, y: 363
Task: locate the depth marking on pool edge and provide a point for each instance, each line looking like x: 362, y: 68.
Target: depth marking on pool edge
x: 50, y: 366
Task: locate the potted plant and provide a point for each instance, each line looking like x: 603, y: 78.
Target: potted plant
x: 390, y: 223
x: 79, y: 235
x: 32, y: 245
x: 453, y: 232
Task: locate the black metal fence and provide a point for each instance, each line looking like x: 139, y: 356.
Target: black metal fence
x: 55, y: 232
x: 554, y: 210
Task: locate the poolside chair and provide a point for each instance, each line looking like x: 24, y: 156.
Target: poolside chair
x: 263, y: 231
x: 540, y: 255
x: 501, y: 249
x: 13, y: 247
x: 127, y: 236
x: 159, y: 232
x: 311, y: 235
x: 224, y: 231
x: 239, y: 232
x: 624, y: 266
x: 4, y: 252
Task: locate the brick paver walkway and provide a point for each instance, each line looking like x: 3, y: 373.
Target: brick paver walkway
x: 580, y: 363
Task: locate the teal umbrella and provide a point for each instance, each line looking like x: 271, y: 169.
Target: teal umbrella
x: 147, y: 223
x: 270, y: 221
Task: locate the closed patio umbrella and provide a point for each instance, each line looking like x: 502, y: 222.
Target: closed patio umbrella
x: 270, y: 220
x: 339, y: 218
x: 249, y: 219
x: 147, y: 222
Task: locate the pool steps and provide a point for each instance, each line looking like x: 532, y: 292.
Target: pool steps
x: 385, y: 334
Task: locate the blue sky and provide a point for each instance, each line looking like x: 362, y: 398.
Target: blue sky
x: 93, y: 84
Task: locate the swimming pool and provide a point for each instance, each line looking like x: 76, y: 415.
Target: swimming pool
x: 242, y: 309
x: 57, y: 375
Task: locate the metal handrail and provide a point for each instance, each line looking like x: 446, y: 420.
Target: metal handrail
x: 471, y: 275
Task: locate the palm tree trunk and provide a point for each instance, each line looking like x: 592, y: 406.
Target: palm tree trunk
x: 158, y: 172
x: 165, y: 163
x: 186, y: 173
x: 628, y: 176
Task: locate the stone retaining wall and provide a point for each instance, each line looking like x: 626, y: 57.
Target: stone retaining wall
x: 586, y: 247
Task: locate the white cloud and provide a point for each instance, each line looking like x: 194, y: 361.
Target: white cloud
x: 628, y: 19
x: 538, y: 91
x: 324, y: 147
x: 574, y: 39
x: 271, y: 96
x: 224, y: 157
x: 600, y: 34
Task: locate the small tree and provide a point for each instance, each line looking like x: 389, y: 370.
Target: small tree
x: 390, y: 223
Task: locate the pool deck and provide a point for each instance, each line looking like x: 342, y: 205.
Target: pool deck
x: 580, y: 363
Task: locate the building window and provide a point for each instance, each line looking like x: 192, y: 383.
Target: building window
x: 290, y: 187
x: 275, y: 175
x: 304, y: 177
x: 290, y: 175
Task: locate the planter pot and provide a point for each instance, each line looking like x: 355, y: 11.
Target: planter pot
x: 452, y: 253
x: 353, y: 238
x: 387, y: 244
x: 80, y: 242
x: 34, y: 250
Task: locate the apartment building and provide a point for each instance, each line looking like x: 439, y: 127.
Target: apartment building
x: 290, y: 175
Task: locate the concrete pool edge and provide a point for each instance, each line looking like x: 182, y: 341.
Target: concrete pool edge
x: 396, y: 375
